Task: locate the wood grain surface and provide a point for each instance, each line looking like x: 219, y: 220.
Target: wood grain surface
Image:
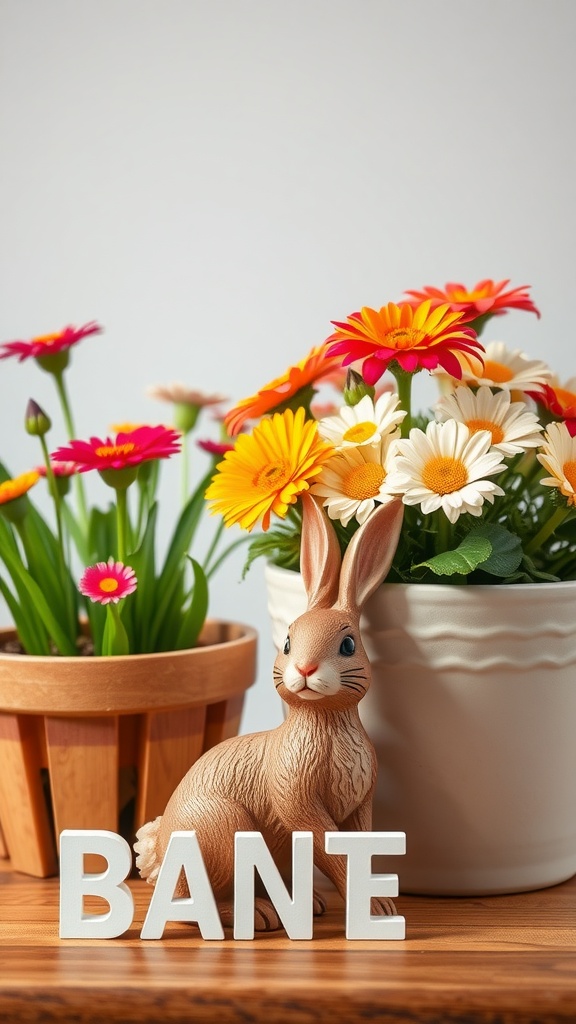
x: 496, y: 959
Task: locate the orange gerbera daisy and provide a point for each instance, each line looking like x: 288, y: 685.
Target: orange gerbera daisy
x: 413, y: 338
x: 317, y: 365
x: 487, y: 298
x: 268, y: 469
x: 18, y: 486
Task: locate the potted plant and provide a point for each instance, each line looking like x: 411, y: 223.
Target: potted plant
x: 472, y: 640
x: 113, y: 681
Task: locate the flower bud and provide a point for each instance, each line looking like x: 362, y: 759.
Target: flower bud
x: 36, y: 421
x: 356, y: 388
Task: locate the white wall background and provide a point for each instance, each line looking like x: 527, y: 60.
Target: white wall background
x: 215, y: 180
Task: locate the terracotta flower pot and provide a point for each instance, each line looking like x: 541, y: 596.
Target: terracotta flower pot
x: 472, y: 711
x: 73, y: 730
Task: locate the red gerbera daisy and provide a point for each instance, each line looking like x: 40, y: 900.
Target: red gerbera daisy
x: 415, y: 339
x: 129, y: 448
x: 560, y: 401
x: 487, y: 298
x: 48, y: 344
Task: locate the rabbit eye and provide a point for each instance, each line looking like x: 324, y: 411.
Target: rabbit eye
x: 286, y: 649
x: 347, y: 647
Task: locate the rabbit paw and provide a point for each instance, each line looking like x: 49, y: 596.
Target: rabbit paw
x: 319, y: 904
x: 382, y: 906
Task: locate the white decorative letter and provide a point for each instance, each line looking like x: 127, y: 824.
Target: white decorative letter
x: 183, y: 854
x: 251, y: 853
x: 361, y: 884
x: 109, y: 884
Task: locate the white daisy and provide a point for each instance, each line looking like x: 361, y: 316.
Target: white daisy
x: 446, y: 468
x: 354, y: 480
x: 365, y: 423
x: 512, y: 426
x: 509, y: 370
x: 558, y: 456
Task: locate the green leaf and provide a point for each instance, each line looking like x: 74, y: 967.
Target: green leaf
x: 506, y: 554
x: 143, y: 602
x: 195, y: 615
x: 172, y: 575
x: 20, y: 574
x: 469, y: 554
x: 33, y: 639
x: 115, y: 639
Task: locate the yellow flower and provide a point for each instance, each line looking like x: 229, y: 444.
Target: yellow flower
x: 267, y: 470
x: 12, y: 489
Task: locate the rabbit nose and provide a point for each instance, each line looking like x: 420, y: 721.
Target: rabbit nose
x: 307, y: 670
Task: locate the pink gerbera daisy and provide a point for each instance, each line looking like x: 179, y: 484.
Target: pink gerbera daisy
x: 129, y: 448
x: 107, y: 582
x: 486, y: 298
x: 48, y: 344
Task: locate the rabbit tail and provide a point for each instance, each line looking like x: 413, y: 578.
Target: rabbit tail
x: 146, y: 849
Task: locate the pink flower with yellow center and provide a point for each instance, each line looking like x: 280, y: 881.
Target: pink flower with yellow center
x: 128, y: 449
x: 318, y: 365
x: 487, y: 298
x: 61, y: 469
x: 18, y: 486
x: 48, y: 344
x: 215, y: 447
x: 414, y: 339
x: 107, y: 582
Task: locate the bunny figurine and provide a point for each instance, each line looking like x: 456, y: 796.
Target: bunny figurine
x: 317, y: 770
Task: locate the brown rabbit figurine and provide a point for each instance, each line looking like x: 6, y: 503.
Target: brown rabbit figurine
x: 317, y: 770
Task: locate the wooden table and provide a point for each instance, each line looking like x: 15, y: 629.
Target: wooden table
x: 499, y: 959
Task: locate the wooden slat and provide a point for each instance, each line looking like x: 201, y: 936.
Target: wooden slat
x: 83, y: 763
x: 23, y: 808
x: 223, y: 720
x: 170, y: 742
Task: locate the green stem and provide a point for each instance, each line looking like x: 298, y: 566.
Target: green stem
x: 67, y: 413
x: 115, y: 639
x: 547, y: 529
x: 404, y: 382
x: 122, y: 521
x: 443, y: 536
x: 64, y: 573
x: 213, y: 545
x: 185, y: 469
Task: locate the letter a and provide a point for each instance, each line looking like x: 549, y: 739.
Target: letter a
x: 183, y: 854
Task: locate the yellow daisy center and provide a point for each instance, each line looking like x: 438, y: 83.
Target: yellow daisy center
x: 108, y: 584
x: 364, y: 481
x: 494, y: 428
x: 359, y: 432
x: 443, y: 474
x: 115, y: 449
x: 497, y: 372
x: 46, y: 339
x: 402, y: 338
x: 272, y: 476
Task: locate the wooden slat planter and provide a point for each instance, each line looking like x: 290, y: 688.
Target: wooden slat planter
x: 75, y: 731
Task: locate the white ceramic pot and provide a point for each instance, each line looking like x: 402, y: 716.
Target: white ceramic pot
x: 472, y: 711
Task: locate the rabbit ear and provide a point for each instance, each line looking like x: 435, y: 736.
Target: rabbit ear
x: 369, y: 554
x: 319, y: 555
